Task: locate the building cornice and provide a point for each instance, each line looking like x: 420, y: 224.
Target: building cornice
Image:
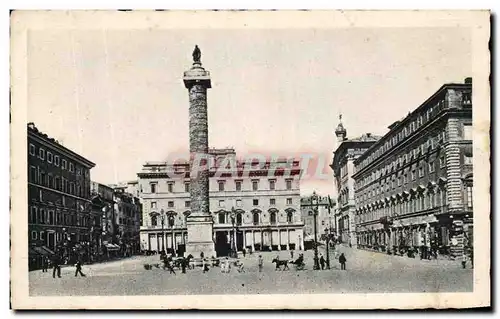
x: 49, y: 143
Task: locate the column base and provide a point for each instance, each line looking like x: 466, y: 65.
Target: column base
x: 200, y: 237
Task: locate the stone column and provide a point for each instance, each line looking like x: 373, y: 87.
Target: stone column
x: 199, y: 223
x: 253, y: 240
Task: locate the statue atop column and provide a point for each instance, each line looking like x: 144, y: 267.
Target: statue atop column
x: 196, y: 54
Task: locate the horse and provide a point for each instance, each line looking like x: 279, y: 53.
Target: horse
x: 280, y: 263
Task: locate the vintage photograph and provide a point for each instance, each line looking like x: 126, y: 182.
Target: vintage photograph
x: 237, y: 154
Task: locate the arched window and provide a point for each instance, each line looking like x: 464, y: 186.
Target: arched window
x: 273, y: 217
x: 255, y: 218
x: 289, y: 217
x: 171, y: 221
x: 239, y: 219
x: 222, y: 218
x: 154, y: 220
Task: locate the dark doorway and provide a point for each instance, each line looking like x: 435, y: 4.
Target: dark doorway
x: 221, y: 245
x: 239, y: 241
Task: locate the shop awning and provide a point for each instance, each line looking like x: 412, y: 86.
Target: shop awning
x: 41, y: 251
x: 50, y: 252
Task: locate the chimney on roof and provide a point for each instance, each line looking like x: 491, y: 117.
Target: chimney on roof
x: 368, y: 134
x: 31, y: 125
x: 468, y: 80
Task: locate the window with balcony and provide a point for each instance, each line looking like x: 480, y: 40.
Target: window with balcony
x: 222, y: 218
x: 272, y: 217
x: 33, y: 174
x: 255, y: 218
x: 432, y: 167
x: 154, y: 220
x: 239, y: 219
x: 238, y: 186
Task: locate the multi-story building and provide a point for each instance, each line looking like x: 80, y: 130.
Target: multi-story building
x: 348, y: 150
x: 414, y: 185
x: 59, y: 207
x: 128, y: 216
x: 256, y: 208
x: 325, y: 218
x: 103, y: 205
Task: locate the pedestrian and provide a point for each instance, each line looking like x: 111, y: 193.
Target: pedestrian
x: 291, y: 254
x: 78, y: 266
x: 261, y: 263
x: 464, y: 260
x: 322, y: 262
x: 170, y: 265
x: 45, y: 263
x: 202, y: 255
x: 241, y: 267
x: 56, y: 263
x: 183, y: 265
x: 205, y: 266
x: 244, y: 252
x: 342, y: 261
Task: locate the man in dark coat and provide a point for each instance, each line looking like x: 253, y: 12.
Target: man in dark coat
x: 56, y: 263
x: 45, y: 264
x: 342, y: 261
x: 78, y: 266
x: 184, y: 265
x: 322, y: 262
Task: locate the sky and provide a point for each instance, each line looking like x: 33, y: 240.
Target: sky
x: 117, y: 97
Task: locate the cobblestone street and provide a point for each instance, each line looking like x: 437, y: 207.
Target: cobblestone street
x: 366, y: 272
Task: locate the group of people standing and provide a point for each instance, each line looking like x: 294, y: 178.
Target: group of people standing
x: 56, y: 262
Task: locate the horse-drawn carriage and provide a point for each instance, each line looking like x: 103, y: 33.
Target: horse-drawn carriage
x: 298, y: 263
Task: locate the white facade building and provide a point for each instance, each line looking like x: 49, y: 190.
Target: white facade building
x: 259, y: 210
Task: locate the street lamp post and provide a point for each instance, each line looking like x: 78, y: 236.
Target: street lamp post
x: 327, y: 233
x: 171, y: 224
x: 314, y: 199
x: 234, y: 254
x: 162, y: 216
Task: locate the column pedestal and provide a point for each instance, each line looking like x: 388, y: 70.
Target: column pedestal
x: 200, y: 230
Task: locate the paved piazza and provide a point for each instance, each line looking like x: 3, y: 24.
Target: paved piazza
x: 366, y: 272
